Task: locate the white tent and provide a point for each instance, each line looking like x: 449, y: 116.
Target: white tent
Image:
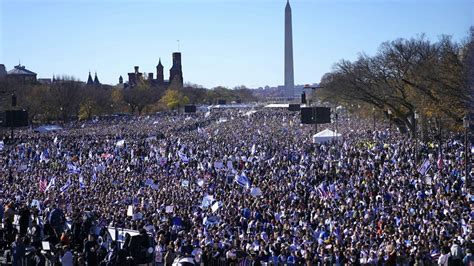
x: 325, y: 136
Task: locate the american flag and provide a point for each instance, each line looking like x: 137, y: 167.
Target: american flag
x: 440, y: 162
x: 322, y: 189
x: 43, y: 184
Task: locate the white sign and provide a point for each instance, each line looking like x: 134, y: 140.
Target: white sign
x: 120, y: 143
x: 169, y: 209
x: 130, y: 210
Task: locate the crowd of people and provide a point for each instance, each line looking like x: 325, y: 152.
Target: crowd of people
x: 233, y: 187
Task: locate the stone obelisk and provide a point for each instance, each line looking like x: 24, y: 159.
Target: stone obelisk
x: 289, y: 75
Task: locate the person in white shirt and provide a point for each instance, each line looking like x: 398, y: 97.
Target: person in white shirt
x: 444, y: 258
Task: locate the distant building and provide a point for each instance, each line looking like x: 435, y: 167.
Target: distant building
x: 20, y: 74
x: 3, y: 72
x: 94, y: 82
x: 176, y: 71
x: 45, y: 81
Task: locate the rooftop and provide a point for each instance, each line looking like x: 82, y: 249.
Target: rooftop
x: 20, y: 70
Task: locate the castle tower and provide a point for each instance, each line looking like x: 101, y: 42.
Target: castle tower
x: 159, y: 72
x: 176, y: 69
x: 289, y: 74
x: 120, y: 80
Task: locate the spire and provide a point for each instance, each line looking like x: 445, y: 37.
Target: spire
x: 89, y: 79
x: 96, y: 80
x: 120, y: 80
x: 159, y: 63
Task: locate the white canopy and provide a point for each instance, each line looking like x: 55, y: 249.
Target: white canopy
x: 325, y: 136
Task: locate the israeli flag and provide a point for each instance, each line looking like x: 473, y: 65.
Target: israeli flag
x: 242, y: 180
x: 66, y: 186
x: 216, y: 206
x: 183, y: 157
x: 253, y: 149
x: 207, y: 201
x: 72, y: 169
x: 52, y: 183
x: 211, y: 220
x: 424, y: 167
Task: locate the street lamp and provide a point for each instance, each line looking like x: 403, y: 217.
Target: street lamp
x: 415, y: 123
x: 466, y: 124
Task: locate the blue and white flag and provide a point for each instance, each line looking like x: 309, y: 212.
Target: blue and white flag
x: 255, y: 192
x: 216, y: 206
x: 81, y: 183
x: 2, y: 145
x: 207, y: 201
x: 150, y: 183
x: 211, y: 220
x: 52, y: 183
x: 424, y: 167
x: 242, y: 180
x: 72, y: 169
x: 66, y: 186
x: 253, y: 149
x: 183, y: 157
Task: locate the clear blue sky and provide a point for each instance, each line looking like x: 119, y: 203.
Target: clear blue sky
x: 223, y: 42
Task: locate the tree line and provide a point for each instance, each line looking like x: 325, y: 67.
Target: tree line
x: 69, y: 99
x: 407, y: 77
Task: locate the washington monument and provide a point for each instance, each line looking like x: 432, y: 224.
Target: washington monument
x: 289, y: 76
